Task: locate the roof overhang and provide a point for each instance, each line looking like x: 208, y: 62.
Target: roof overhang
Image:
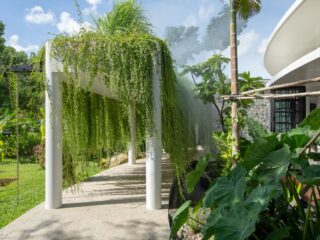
x: 295, y: 40
x: 83, y: 79
x: 306, y: 67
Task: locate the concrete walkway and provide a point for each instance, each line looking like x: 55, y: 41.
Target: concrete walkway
x: 110, y: 205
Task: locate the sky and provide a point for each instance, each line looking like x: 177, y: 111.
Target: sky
x: 30, y: 23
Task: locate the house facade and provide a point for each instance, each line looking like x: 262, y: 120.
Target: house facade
x: 293, y: 54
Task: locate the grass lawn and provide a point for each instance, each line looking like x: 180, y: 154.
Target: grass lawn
x: 31, y: 190
x: 32, y: 185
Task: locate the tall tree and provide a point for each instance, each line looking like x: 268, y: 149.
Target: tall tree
x: 245, y: 9
x: 2, y: 40
x: 211, y: 82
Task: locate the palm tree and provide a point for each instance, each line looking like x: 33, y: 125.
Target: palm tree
x: 245, y: 9
x: 126, y: 16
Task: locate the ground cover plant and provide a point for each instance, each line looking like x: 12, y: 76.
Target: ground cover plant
x: 31, y: 190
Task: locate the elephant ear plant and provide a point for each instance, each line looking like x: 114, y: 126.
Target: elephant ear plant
x: 273, y: 193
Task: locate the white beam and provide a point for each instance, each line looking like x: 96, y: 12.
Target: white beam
x: 53, y: 196
x: 154, y: 144
x: 133, y: 135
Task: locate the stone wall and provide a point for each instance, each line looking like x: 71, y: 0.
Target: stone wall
x: 261, y: 112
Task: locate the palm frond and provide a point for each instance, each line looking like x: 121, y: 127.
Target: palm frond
x: 126, y: 16
x: 248, y: 8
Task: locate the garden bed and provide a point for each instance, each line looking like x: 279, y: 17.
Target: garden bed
x: 6, y: 181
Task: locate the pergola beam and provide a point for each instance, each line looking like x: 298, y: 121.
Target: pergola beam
x: 55, y: 77
x: 285, y: 85
x: 271, y: 96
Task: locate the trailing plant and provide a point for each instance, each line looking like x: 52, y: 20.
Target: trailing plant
x: 273, y: 193
x: 125, y: 62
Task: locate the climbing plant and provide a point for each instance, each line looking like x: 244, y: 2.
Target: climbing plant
x: 125, y: 62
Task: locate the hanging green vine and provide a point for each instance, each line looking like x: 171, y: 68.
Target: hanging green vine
x: 121, y: 52
x: 94, y: 123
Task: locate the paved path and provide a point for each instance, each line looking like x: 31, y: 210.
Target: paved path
x: 110, y: 205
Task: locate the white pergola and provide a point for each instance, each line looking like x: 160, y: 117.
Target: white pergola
x: 53, y: 155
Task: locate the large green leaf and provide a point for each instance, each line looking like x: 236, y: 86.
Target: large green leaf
x: 279, y: 234
x: 213, y: 218
x: 256, y: 152
x: 261, y: 195
x: 307, y: 174
x: 227, y: 190
x: 238, y: 223
x: 312, y: 120
x: 194, y: 176
x: 297, y: 138
x: 275, y: 166
x: 180, y: 218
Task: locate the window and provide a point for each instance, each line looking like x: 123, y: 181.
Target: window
x: 288, y: 113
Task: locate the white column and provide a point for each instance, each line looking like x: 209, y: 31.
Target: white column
x: 154, y: 145
x: 53, y: 196
x: 133, y: 135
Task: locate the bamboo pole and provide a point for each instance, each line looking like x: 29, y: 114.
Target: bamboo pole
x: 312, y: 141
x: 313, y: 80
x: 270, y: 96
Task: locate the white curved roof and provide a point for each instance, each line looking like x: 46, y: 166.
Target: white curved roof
x: 294, y: 39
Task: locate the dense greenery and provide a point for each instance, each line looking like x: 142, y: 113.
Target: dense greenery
x: 211, y: 83
x: 124, y: 56
x: 31, y: 190
x: 271, y: 194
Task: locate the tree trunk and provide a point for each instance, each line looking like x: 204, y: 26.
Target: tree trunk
x: 234, y: 79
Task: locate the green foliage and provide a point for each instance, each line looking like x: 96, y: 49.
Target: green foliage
x: 312, y: 120
x: 126, y: 16
x: 253, y: 157
x: 2, y: 40
x: 247, y: 82
x: 278, y: 234
x: 247, y: 8
x: 211, y: 83
x: 223, y: 141
x: 193, y: 177
x: 123, y: 58
x: 180, y: 217
x: 260, y: 197
x: 31, y: 190
x: 255, y: 128
x: 90, y: 124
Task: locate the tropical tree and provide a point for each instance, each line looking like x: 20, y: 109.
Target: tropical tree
x: 211, y: 82
x: 245, y: 9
